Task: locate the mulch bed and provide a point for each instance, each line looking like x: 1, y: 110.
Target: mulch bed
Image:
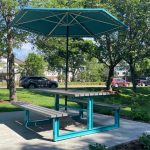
x: 133, y: 145
x: 4, y: 101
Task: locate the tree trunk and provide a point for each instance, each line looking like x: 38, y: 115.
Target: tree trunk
x: 11, y: 69
x: 133, y: 76
x: 109, y: 78
x: 7, y: 71
x: 73, y: 77
x: 12, y: 87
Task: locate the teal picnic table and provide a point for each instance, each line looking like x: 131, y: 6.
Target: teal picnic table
x: 89, y: 97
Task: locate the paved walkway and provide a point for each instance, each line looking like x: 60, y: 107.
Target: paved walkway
x: 14, y: 136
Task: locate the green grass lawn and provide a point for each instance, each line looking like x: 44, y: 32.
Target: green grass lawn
x: 135, y: 107
x: 38, y: 98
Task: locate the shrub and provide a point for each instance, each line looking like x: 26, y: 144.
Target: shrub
x: 145, y: 140
x: 137, y: 112
x: 97, y: 147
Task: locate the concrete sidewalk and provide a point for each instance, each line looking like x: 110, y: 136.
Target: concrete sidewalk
x: 13, y: 135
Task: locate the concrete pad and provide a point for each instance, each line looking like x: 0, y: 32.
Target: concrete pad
x: 13, y: 135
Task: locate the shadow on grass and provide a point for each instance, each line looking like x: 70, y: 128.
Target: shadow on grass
x: 6, y: 109
x: 35, y: 92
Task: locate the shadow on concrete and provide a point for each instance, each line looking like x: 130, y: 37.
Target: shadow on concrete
x: 15, y: 122
x: 40, y: 146
x: 129, y: 130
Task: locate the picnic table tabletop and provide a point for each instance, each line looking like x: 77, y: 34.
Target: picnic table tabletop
x: 75, y: 93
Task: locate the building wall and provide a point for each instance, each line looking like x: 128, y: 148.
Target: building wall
x: 52, y: 75
x: 3, y: 69
x: 121, y: 71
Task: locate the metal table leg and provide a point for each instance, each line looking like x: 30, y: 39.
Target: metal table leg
x: 90, y: 113
x: 56, y: 102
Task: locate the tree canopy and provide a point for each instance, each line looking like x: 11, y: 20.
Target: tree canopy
x: 34, y: 65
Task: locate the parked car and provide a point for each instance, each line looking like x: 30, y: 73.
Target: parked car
x: 37, y: 82
x: 143, y: 81
x: 119, y: 82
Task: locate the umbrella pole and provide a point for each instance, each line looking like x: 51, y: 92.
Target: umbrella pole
x: 67, y: 57
x: 67, y: 41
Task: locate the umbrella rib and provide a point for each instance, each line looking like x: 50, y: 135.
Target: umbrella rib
x: 57, y: 16
x: 108, y: 30
x: 97, y: 20
x: 21, y: 17
x: 50, y: 21
x: 80, y: 22
x: 90, y: 33
x: 38, y: 19
x: 74, y: 18
x: 57, y: 24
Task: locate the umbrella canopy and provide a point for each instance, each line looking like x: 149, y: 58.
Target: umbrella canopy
x: 73, y: 22
x: 54, y: 22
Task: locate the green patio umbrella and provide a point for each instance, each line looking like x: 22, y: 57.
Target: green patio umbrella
x: 67, y: 22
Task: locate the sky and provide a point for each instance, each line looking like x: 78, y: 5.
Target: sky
x: 23, y: 52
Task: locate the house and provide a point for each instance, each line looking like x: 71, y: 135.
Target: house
x: 122, y: 70
x: 3, y: 68
x: 53, y: 75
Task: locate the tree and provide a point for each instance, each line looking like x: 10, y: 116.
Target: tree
x: 135, y: 13
x: 77, y: 57
x: 143, y: 68
x: 10, y: 38
x: 34, y: 65
x: 2, y: 45
x: 54, y: 52
x: 110, y: 53
x: 58, y: 3
x: 93, y: 71
x: 108, y: 50
x: 134, y: 42
x: 108, y: 47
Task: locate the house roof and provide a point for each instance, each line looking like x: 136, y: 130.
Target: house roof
x: 17, y: 61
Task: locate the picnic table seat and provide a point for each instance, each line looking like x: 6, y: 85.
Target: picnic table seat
x: 97, y: 104
x: 51, y: 113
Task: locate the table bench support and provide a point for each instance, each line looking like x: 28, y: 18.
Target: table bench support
x: 90, y: 129
x: 27, y: 118
x: 57, y: 137
x: 55, y: 129
x: 117, y: 118
x: 81, y: 111
x: 28, y: 122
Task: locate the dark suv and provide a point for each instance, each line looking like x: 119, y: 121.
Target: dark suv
x: 37, y: 82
